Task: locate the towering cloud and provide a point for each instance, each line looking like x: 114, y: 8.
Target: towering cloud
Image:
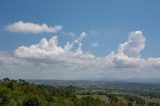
x: 129, y: 52
x: 133, y: 46
x: 81, y: 37
x: 43, y: 49
x: 50, y: 48
x: 27, y: 27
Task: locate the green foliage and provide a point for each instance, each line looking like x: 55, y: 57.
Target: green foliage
x: 90, y: 101
x: 22, y: 93
x: 5, y: 95
x: 130, y: 104
x: 31, y: 101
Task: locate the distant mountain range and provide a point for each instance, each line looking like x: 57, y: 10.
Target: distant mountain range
x: 101, y: 83
x: 138, y: 80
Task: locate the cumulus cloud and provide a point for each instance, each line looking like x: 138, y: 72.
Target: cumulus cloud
x: 154, y: 62
x: 129, y: 52
x: 81, y: 37
x: 43, y: 49
x: 95, y: 44
x: 27, y: 27
x: 48, y: 60
x: 134, y: 45
x: 49, y: 48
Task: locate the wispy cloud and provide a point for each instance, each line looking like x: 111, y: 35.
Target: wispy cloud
x: 72, y: 34
x: 95, y: 44
x: 28, y: 27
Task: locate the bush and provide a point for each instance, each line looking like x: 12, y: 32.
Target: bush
x: 31, y: 101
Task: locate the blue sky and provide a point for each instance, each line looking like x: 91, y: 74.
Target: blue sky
x: 112, y: 20
x: 107, y: 23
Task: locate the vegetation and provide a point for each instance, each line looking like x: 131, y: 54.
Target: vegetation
x: 22, y: 93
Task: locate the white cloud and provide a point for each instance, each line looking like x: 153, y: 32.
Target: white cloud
x: 129, y: 52
x: 50, y: 48
x: 72, y: 34
x: 95, y: 44
x: 48, y: 60
x: 41, y: 50
x: 154, y: 62
x: 79, y: 40
x: 27, y: 27
x: 132, y: 48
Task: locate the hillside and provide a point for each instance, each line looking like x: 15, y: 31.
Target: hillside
x: 22, y: 93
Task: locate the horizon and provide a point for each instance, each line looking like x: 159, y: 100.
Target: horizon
x: 129, y: 80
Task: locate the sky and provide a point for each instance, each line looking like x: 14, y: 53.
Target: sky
x: 79, y: 39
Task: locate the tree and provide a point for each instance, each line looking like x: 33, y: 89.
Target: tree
x: 31, y: 101
x: 5, y: 96
x: 112, y: 98
x: 90, y: 101
x: 129, y: 104
x: 70, y: 92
